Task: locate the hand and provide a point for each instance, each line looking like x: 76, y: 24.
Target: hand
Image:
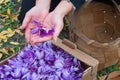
x: 36, y: 13
x: 52, y: 20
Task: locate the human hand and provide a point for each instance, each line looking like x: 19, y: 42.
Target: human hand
x: 52, y: 20
x: 36, y: 13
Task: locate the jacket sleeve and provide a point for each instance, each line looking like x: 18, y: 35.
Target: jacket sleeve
x: 77, y: 3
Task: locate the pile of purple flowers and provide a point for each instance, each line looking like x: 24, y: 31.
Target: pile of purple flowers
x: 43, y: 61
x: 42, y: 31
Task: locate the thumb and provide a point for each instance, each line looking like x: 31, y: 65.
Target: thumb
x: 58, y: 29
x: 26, y: 21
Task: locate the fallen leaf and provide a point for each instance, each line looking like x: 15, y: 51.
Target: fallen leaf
x: 11, y: 49
x: 10, y: 35
x: 14, y: 16
x: 3, y: 38
x: 5, y: 1
x: 3, y: 15
x: 8, y: 11
x: 18, y: 31
x: 14, y: 43
x: 10, y: 32
x: 1, y: 1
x: 4, y: 51
x: 4, y: 32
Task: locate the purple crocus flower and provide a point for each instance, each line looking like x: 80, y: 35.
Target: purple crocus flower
x: 66, y: 74
x: 50, y: 59
x: 41, y: 30
x: 59, y: 63
x: 45, y: 32
x: 68, y: 62
x: 43, y: 61
x: 35, y: 76
x: 16, y: 73
x: 39, y: 55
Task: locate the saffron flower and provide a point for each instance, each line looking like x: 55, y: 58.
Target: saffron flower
x: 43, y: 61
x: 41, y: 30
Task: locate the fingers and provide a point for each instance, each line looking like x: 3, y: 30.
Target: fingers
x: 26, y: 21
x: 28, y: 32
x: 27, y: 35
x: 37, y: 39
x: 58, y: 29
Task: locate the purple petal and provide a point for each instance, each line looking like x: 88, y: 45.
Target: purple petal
x: 59, y: 73
x: 65, y: 74
x: 59, y: 63
x: 16, y: 73
x: 24, y: 70
x: 35, y: 30
x: 51, y: 31
x: 27, y: 76
x: 68, y: 62
x: 39, y: 54
x: 47, y: 45
x: 34, y: 76
x: 39, y: 70
x: 42, y: 62
x: 49, y: 59
x: 37, y: 23
x: 7, y: 68
x: 53, y: 77
x: 43, y: 32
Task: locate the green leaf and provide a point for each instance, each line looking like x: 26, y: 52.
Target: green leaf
x: 16, y: 48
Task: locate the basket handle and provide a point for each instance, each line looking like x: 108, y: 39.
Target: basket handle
x: 69, y: 44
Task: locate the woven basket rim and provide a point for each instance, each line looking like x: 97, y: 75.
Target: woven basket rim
x: 89, y: 41
x: 94, y: 42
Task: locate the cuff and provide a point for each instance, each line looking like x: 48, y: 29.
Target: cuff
x: 78, y: 3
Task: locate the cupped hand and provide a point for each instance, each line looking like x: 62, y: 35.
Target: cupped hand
x: 52, y: 20
x: 36, y: 13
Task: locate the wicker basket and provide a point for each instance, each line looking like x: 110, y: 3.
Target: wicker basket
x: 95, y: 29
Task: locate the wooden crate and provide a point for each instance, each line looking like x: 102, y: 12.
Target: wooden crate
x: 88, y: 63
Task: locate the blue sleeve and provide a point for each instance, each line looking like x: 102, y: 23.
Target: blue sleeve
x: 77, y: 3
